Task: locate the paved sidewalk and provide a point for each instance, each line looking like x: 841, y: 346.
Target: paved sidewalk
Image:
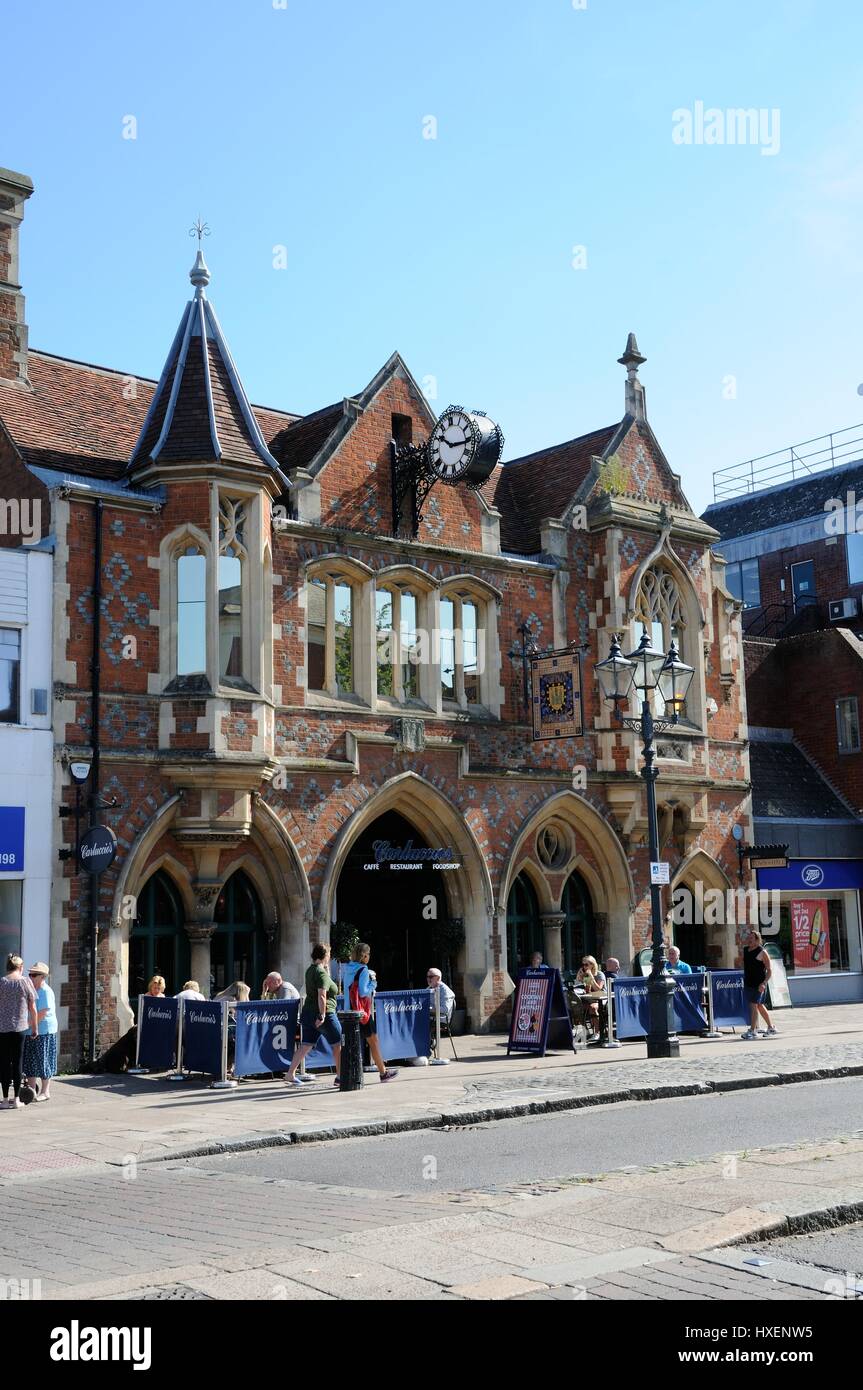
x: 673, y: 1232
x: 112, y: 1120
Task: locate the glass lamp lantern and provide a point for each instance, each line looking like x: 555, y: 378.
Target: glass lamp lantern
x: 615, y: 674
x: 648, y: 662
x: 674, y: 681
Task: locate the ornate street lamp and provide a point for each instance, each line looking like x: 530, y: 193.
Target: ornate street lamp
x: 646, y: 670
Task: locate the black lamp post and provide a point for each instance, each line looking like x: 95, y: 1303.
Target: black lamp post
x: 645, y: 671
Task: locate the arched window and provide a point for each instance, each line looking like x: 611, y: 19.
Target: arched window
x: 232, y: 598
x: 464, y: 674
x: 331, y: 654
x: 396, y: 624
x: 158, y: 944
x: 523, y: 927
x: 191, y: 612
x: 238, y: 950
x: 579, y: 933
x: 660, y: 610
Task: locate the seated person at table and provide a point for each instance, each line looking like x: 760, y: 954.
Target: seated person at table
x: 675, y: 965
x: 591, y: 979
x: 445, y: 994
x: 612, y: 966
x: 275, y: 987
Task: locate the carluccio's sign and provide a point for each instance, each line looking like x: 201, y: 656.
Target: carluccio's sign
x: 410, y: 856
x: 97, y: 849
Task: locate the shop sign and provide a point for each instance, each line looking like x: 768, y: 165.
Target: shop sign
x: 804, y: 875
x: 97, y: 849
x: 410, y: 856
x: 11, y: 839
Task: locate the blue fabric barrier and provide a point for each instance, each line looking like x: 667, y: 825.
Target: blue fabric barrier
x: 203, y: 1021
x: 730, y: 1009
x: 157, y: 1033
x: 266, y: 1029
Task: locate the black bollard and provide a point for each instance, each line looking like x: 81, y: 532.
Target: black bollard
x: 351, y: 1069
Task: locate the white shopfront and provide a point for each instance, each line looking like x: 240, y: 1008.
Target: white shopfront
x: 820, y: 928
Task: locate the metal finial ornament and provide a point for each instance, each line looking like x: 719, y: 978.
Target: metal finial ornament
x: 199, y: 229
x: 199, y: 274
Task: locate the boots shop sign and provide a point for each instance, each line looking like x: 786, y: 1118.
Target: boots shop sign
x: 97, y: 850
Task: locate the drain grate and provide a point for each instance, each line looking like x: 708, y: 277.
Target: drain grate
x: 170, y: 1291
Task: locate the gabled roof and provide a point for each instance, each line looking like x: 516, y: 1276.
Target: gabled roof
x: 528, y: 490
x: 787, y: 502
x: 200, y: 409
x: 79, y: 419
x: 296, y: 446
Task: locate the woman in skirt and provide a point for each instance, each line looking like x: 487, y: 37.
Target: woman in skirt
x: 40, y: 1054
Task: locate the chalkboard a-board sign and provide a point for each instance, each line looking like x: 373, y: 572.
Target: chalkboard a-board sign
x: 778, y: 993
x: 540, y: 1014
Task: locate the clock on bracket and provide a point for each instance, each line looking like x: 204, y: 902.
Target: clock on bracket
x: 464, y: 447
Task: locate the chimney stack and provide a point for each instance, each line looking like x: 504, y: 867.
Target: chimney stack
x: 15, y: 189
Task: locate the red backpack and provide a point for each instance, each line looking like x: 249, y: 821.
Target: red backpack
x: 361, y: 1002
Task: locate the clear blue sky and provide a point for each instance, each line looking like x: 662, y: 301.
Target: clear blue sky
x: 303, y: 126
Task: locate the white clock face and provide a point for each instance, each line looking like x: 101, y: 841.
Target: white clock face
x: 452, y: 445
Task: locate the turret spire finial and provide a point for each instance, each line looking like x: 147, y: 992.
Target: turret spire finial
x: 199, y: 274
x: 632, y: 360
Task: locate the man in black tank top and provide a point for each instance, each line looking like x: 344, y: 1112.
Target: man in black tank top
x: 756, y: 972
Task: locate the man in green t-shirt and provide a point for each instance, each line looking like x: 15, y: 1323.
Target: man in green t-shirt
x: 318, y: 1014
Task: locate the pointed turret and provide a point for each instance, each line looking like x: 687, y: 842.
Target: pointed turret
x: 635, y: 399
x: 200, y: 411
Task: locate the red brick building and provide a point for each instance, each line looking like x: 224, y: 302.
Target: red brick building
x: 287, y: 678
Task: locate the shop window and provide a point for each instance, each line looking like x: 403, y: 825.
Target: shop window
x: 801, y: 957
x: 848, y: 725
x: 744, y: 583
x: 10, y: 675
x: 10, y: 917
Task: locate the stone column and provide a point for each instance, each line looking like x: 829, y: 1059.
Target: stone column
x: 199, y: 940
x: 552, y: 924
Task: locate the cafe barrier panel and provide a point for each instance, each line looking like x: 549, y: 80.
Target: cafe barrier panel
x: 193, y: 1035
x: 403, y: 1019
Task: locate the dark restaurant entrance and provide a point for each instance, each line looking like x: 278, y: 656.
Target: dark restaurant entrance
x: 390, y: 897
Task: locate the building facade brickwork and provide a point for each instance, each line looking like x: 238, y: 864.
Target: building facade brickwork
x: 274, y: 758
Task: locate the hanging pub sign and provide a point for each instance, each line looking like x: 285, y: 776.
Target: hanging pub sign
x: 97, y: 849
x: 540, y: 1014
x: 556, y: 695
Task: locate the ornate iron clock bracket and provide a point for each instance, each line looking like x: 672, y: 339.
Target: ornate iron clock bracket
x: 411, y: 476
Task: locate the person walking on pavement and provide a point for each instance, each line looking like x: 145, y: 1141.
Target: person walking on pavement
x: 357, y: 971
x: 17, y: 1018
x: 318, y: 1014
x: 40, y: 1054
x: 756, y: 972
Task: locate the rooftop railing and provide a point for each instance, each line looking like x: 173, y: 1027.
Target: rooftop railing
x: 789, y: 465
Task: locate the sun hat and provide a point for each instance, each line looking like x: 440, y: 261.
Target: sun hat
x: 40, y: 968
